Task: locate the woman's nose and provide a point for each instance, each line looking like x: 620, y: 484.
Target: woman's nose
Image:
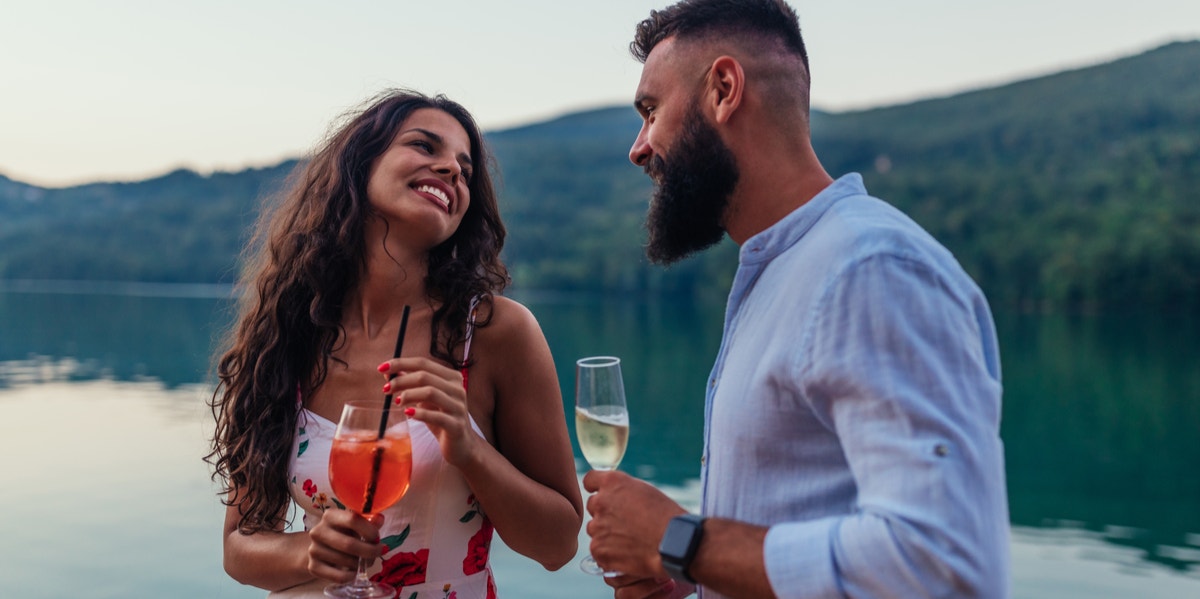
x: 450, y: 168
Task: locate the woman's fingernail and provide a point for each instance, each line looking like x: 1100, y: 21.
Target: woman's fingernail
x: 384, y: 367
x: 387, y: 387
x: 409, y: 411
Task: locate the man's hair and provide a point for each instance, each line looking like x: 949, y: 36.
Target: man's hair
x: 694, y: 19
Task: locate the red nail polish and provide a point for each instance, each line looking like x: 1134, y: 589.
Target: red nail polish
x: 384, y: 367
x: 387, y: 387
x: 409, y: 411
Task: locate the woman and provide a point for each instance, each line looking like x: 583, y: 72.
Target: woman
x: 396, y: 208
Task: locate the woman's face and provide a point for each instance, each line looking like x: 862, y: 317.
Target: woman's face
x: 419, y: 183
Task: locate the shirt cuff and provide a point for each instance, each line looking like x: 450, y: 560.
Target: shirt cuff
x: 799, y: 561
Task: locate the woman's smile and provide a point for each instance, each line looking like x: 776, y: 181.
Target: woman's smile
x: 436, y: 192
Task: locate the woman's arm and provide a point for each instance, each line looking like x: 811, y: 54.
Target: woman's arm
x: 525, y: 482
x: 275, y: 560
x: 269, y: 559
x: 533, y: 498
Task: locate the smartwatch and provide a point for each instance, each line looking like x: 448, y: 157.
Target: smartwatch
x: 679, y: 544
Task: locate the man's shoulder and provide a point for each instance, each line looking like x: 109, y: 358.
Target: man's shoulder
x: 861, y: 227
x: 865, y: 223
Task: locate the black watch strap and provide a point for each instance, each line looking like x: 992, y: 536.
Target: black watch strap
x: 679, y: 544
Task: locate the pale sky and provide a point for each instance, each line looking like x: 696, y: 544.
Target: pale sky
x: 119, y: 90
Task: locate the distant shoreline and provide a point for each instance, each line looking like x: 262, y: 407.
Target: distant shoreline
x: 230, y: 291
x: 123, y: 288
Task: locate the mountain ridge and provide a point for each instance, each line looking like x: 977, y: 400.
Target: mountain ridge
x: 1073, y: 189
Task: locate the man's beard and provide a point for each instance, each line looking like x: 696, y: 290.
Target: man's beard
x: 692, y: 195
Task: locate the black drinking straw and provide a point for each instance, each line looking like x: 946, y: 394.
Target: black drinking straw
x: 387, y: 408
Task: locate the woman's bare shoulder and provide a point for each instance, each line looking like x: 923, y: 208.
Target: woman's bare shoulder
x: 509, y: 317
x: 513, y: 339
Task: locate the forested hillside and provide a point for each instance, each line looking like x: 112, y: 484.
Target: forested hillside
x: 178, y: 228
x: 1077, y: 189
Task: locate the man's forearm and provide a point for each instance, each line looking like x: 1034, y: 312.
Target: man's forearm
x: 730, y: 559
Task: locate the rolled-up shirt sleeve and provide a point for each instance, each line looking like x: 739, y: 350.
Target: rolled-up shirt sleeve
x: 901, y: 362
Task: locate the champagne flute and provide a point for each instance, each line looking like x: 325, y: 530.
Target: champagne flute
x: 370, y: 467
x: 601, y: 422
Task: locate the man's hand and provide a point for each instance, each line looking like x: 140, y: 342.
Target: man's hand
x: 626, y: 587
x: 629, y: 517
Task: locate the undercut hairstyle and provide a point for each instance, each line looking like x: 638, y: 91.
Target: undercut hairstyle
x: 308, y: 252
x: 694, y: 19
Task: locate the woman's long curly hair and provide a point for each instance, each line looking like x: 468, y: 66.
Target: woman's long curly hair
x: 307, y: 253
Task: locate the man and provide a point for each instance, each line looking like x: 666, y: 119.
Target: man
x: 852, y: 418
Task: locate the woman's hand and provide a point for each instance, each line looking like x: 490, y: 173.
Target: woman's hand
x: 433, y: 393
x: 337, y: 543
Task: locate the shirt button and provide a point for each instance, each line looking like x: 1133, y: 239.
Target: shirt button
x: 940, y: 450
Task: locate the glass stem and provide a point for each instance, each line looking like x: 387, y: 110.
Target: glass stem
x: 361, y: 580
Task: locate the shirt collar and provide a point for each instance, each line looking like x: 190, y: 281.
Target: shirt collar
x: 773, y: 240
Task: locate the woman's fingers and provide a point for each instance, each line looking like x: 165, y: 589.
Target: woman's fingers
x: 338, y: 541
x: 433, y: 393
x: 331, y: 565
x: 417, y: 374
x: 398, y: 366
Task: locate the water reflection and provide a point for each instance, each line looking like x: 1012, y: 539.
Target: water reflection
x: 666, y: 352
x: 1100, y: 422
x: 1100, y: 413
x: 1068, y: 561
x: 47, y: 335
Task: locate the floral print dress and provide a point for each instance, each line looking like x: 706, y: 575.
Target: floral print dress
x: 438, y: 540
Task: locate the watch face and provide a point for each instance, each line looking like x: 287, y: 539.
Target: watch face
x: 679, y: 544
x: 682, y: 535
x: 677, y: 538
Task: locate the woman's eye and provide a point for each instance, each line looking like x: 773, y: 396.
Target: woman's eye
x: 424, y: 145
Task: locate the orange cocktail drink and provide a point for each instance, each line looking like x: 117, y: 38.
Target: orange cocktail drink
x: 352, y: 460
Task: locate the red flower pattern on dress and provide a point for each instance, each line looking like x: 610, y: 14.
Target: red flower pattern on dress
x: 320, y: 500
x: 491, y: 587
x: 403, y: 569
x: 478, y: 548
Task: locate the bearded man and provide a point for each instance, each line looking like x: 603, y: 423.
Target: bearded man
x: 851, y: 444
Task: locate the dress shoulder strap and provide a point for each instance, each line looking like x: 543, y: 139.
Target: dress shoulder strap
x: 470, y: 328
x: 469, y: 335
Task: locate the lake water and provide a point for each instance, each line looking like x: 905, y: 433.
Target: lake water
x: 103, y: 423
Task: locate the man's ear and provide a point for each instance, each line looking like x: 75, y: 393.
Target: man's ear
x: 726, y: 83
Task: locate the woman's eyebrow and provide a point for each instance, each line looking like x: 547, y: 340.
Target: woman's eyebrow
x: 437, y: 139
x: 427, y: 133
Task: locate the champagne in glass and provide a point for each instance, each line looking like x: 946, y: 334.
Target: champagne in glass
x: 368, y: 473
x: 603, y: 433
x: 601, y: 421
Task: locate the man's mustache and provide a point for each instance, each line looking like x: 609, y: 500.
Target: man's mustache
x: 654, y: 167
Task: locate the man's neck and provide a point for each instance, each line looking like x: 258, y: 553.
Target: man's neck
x: 763, y: 199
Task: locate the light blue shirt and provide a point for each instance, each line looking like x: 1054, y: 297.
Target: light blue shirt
x: 854, y: 409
